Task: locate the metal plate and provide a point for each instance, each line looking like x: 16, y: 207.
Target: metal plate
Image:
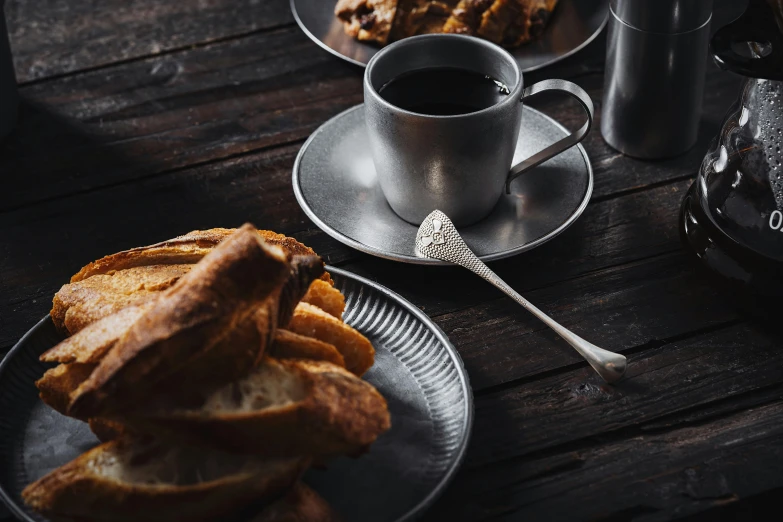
x: 416, y: 369
x: 334, y: 182
x: 574, y: 24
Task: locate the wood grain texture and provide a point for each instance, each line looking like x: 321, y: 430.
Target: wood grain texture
x: 55, y: 37
x: 150, y: 116
x: 622, y: 308
x: 157, y: 118
x: 660, y: 381
x: 138, y: 119
x: 644, y: 476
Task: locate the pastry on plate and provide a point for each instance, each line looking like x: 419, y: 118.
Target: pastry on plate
x: 509, y: 23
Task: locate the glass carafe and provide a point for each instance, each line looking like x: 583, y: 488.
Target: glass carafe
x: 732, y: 216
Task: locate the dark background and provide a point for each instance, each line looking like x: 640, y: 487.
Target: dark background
x: 142, y: 120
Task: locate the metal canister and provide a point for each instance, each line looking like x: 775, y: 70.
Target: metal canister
x: 655, y: 64
x: 9, y: 99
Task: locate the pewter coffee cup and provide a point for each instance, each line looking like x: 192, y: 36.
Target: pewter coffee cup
x: 458, y: 164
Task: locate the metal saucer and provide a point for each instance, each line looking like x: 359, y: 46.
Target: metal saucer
x: 574, y: 24
x: 334, y: 182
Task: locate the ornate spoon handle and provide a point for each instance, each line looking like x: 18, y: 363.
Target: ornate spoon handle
x: 438, y: 238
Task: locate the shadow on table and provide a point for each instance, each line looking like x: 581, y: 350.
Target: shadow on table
x: 51, y: 166
x: 48, y: 155
x: 90, y: 199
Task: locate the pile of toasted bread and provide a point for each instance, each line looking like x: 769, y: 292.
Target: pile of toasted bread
x: 215, y: 368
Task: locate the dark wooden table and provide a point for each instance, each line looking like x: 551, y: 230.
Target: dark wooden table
x: 145, y: 119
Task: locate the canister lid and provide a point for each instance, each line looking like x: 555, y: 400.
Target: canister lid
x: 663, y: 16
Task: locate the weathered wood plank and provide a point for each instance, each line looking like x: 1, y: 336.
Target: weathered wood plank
x: 134, y: 120
x: 53, y: 37
x: 647, y: 477
x: 642, y: 304
x: 150, y: 116
x: 752, y: 507
x: 564, y: 408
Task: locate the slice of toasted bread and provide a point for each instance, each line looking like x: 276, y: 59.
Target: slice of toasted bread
x: 107, y: 430
x: 187, y: 323
x: 282, y: 408
x: 187, y: 249
x: 130, y: 481
x: 81, y: 303
x: 237, y: 352
x: 326, y: 297
x: 135, y: 276
x: 56, y: 385
x: 90, y: 344
x: 355, y: 348
x: 301, y: 504
x: 288, y: 345
x: 93, y: 342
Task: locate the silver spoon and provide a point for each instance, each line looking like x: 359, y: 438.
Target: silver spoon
x: 437, y: 238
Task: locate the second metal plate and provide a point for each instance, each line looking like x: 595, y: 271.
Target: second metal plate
x: 574, y: 24
x: 335, y: 184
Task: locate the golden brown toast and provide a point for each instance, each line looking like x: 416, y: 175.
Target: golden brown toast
x: 282, y: 408
x: 237, y: 352
x: 90, y: 344
x: 79, y: 304
x: 120, y: 280
x: 57, y: 384
x: 167, y: 363
x: 288, y: 345
x: 326, y: 297
x: 301, y: 504
x: 232, y: 292
x: 355, y: 348
x: 187, y: 249
x: 107, y: 430
x: 133, y: 480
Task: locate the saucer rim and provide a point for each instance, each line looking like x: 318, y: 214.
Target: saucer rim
x: 403, y: 258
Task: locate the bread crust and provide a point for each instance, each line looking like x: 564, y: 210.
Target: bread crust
x: 205, y: 308
x: 77, y: 305
x: 356, y: 349
x: 326, y: 297
x: 138, y: 275
x: 93, y: 342
x: 288, y: 345
x: 301, y: 504
x: 78, y: 491
x: 338, y: 414
x: 107, y: 430
x: 57, y: 384
x: 186, y: 249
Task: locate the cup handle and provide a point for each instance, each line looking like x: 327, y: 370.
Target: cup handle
x: 569, y: 141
